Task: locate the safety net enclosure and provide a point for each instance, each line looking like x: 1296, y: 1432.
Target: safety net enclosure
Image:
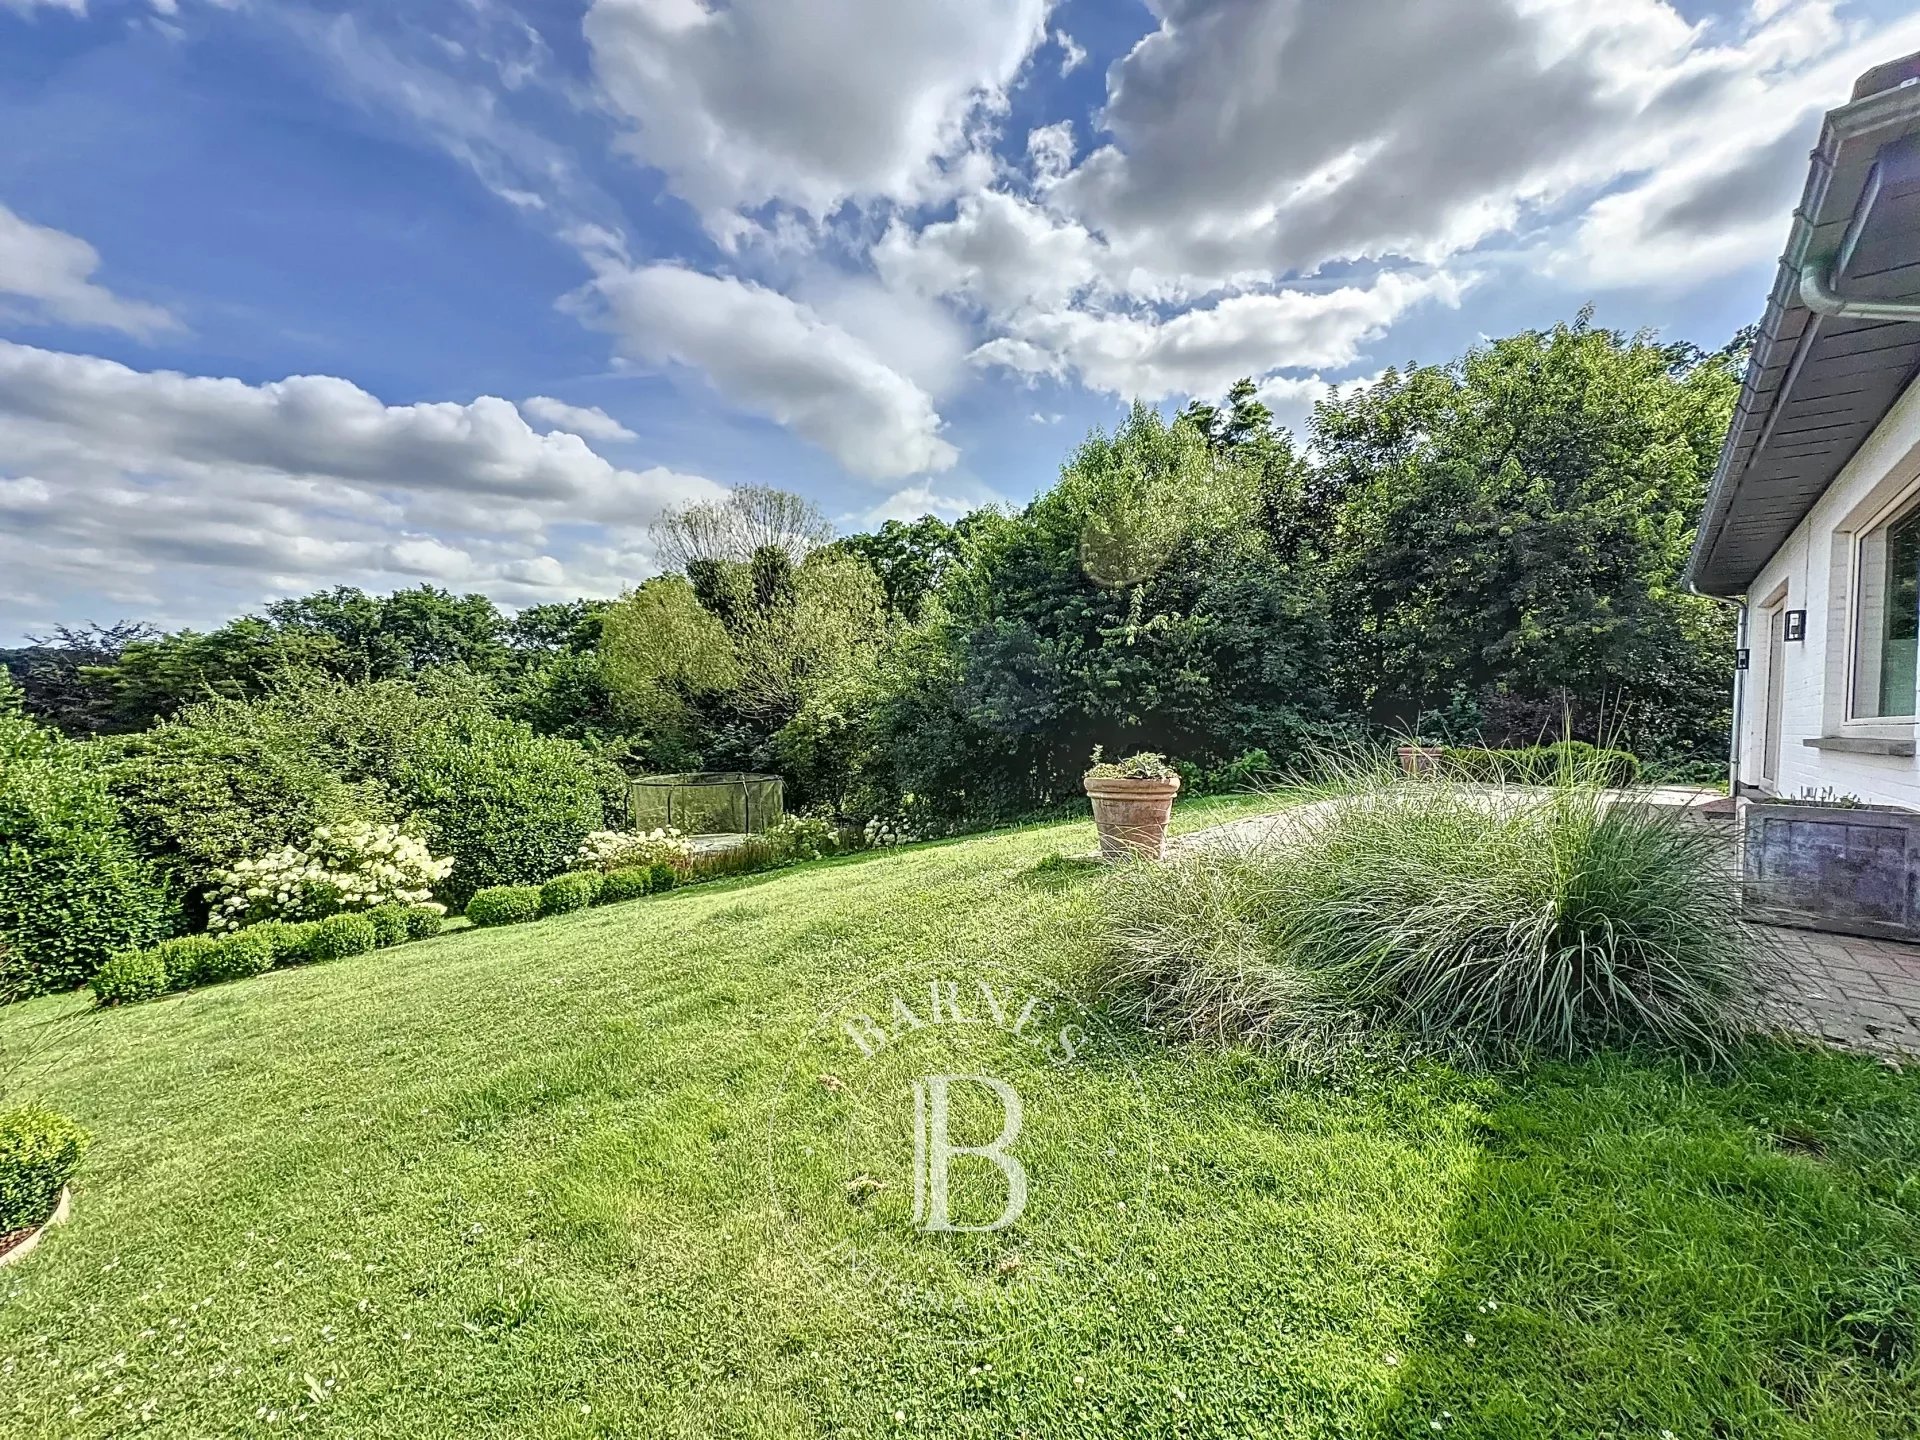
x: 708, y: 802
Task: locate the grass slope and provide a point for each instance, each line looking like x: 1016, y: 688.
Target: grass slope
x: 513, y: 1183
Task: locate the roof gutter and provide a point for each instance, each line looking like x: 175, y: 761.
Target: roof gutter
x: 1818, y: 295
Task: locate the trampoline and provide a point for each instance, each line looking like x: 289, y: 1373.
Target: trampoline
x: 708, y: 802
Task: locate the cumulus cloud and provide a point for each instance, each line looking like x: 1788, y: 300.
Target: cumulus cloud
x: 51, y: 273
x: 147, y: 485
x: 812, y: 105
x: 999, y: 250
x: 775, y: 357
x: 588, y: 420
x: 1202, y: 351
x: 1072, y: 53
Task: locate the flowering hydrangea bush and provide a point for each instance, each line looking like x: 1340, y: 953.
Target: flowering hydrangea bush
x: 805, y: 837
x: 885, y: 830
x: 626, y: 849
x: 344, y: 867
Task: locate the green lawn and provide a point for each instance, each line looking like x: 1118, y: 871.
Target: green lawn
x: 516, y: 1183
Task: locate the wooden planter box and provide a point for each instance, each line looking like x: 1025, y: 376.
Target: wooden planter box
x: 1421, y: 759
x: 1852, y: 870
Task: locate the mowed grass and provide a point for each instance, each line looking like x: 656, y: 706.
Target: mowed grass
x: 517, y: 1183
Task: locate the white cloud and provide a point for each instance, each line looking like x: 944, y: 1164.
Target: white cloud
x: 52, y: 272
x: 999, y: 250
x: 1202, y: 351
x: 145, y: 487
x: 588, y: 420
x: 1072, y: 53
x: 815, y: 104
x: 917, y: 500
x: 778, y: 358
x: 26, y: 7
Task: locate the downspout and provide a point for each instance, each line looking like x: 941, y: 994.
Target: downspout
x: 1739, y: 687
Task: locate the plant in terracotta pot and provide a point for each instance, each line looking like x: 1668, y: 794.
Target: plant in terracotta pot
x: 1421, y: 756
x: 1132, y: 803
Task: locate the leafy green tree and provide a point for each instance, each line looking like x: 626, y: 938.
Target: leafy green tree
x: 911, y: 558
x: 1515, y: 524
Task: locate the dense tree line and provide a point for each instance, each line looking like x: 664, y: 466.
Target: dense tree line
x: 1491, y: 548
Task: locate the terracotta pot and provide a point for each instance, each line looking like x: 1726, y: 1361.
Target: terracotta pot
x: 1131, y: 815
x: 1421, y: 759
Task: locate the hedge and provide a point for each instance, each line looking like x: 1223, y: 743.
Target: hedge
x: 505, y: 905
x: 39, y: 1151
x: 575, y: 890
x: 73, y: 888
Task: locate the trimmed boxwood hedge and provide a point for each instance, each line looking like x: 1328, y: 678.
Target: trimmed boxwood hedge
x: 389, y: 924
x: 628, y: 884
x: 339, y: 936
x: 235, y: 957
x: 504, y: 905
x: 423, y: 922
x: 39, y: 1151
x: 131, y: 976
x: 575, y: 890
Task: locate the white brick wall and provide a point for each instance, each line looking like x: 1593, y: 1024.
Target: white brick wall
x: 1815, y: 566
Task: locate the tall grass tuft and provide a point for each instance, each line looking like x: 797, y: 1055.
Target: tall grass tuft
x: 1485, y: 922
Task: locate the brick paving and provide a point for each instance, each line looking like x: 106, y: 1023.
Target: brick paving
x: 1858, y: 993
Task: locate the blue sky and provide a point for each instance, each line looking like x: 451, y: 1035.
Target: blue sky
x: 538, y: 270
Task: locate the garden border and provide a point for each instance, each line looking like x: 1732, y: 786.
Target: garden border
x: 24, y: 1246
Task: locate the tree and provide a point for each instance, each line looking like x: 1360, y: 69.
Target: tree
x: 910, y: 557
x: 1513, y: 525
x: 51, y: 672
x: 752, y: 517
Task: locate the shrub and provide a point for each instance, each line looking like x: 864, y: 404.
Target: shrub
x: 805, y: 837
x: 665, y: 877
x: 883, y: 831
x: 629, y: 849
x: 39, y: 1151
x: 389, y: 925
x: 73, y: 889
x: 222, y: 780
x: 130, y: 977
x: 1484, y: 926
x: 509, y: 806
x: 423, y: 921
x: 354, y: 866
x: 186, y: 960
x: 235, y: 957
x: 504, y: 905
x: 575, y: 890
x: 288, y: 939
x: 629, y: 884
x: 339, y: 936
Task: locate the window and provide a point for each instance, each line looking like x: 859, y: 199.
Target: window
x: 1887, y: 641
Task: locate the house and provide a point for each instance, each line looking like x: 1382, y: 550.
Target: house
x: 1812, y: 522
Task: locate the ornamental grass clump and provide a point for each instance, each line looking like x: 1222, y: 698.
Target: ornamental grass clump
x: 1485, y: 923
